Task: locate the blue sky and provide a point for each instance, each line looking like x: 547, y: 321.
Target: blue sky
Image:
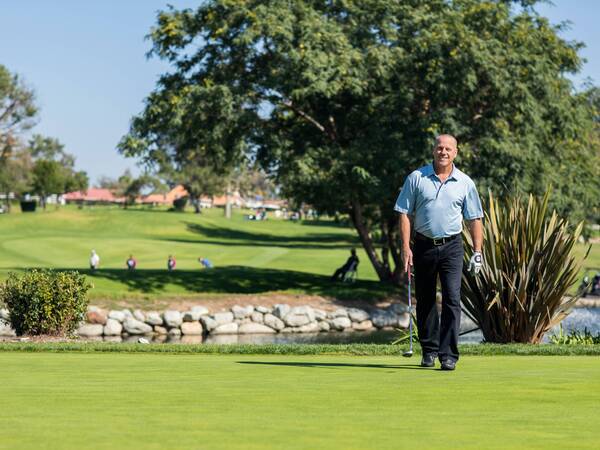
x: 86, y: 61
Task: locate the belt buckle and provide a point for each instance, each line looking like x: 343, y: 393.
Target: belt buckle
x: 438, y: 241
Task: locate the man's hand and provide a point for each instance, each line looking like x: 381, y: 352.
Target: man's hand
x: 476, y: 263
x: 407, y: 258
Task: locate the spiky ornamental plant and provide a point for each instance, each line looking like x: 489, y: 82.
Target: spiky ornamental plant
x: 528, y: 267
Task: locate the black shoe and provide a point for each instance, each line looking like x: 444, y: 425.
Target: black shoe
x: 448, y: 364
x: 428, y: 360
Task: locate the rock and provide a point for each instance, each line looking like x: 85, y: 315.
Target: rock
x: 263, y: 309
x: 274, y: 322
x: 249, y: 328
x: 112, y: 328
x: 398, y: 308
x: 362, y: 326
x: 257, y: 317
x: 403, y: 320
x: 241, y: 312
x: 191, y: 339
x: 134, y: 326
x: 139, y: 315
x: 143, y: 341
x: 191, y: 316
x: 340, y: 312
x: 160, y: 330
x: 153, y: 318
x: 296, y: 320
x: 172, y: 318
x: 287, y: 330
x: 4, y: 314
x: 174, y: 332
x: 312, y: 327
x: 341, y: 323
x: 357, y: 315
x: 203, y: 311
x: 324, y: 325
x: 223, y: 318
x: 117, y: 315
x: 281, y: 311
x: 208, y: 323
x: 320, y: 314
x: 127, y: 313
x: 191, y: 328
x: 112, y: 338
x: 226, y: 328
x: 96, y: 315
x: 90, y: 330
x: 382, y: 318
x: 6, y: 329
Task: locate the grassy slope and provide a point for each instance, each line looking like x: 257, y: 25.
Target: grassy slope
x: 112, y: 401
x: 250, y: 257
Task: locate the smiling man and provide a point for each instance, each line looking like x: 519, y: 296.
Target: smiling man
x: 434, y: 201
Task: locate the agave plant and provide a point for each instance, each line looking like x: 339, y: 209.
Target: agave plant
x: 528, y: 267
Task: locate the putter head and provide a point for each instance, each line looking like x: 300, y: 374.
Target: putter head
x: 407, y: 354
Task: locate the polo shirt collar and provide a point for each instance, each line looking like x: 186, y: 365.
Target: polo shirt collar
x: 430, y: 171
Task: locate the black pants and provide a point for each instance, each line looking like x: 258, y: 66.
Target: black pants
x: 446, y: 261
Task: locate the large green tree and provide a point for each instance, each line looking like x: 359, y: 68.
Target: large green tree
x: 17, y: 115
x: 340, y: 100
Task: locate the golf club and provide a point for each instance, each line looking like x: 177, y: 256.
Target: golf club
x: 409, y: 353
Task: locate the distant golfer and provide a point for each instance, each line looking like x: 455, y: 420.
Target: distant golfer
x: 437, y: 197
x: 206, y: 263
x: 94, y: 260
x: 131, y: 263
x: 171, y: 263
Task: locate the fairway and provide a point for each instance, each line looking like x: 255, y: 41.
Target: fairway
x: 168, y: 401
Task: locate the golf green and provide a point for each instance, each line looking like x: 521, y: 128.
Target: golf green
x: 172, y: 401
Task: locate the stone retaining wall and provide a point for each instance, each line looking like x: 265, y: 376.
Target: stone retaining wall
x: 249, y: 319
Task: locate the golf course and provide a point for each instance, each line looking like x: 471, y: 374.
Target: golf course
x: 177, y: 401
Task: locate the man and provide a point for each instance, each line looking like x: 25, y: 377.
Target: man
x: 94, y: 260
x: 437, y: 197
x: 350, y: 264
x: 131, y: 263
x: 171, y: 263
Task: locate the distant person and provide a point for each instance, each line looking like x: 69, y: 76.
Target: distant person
x: 131, y: 263
x: 171, y: 263
x: 205, y: 263
x: 94, y: 260
x: 350, y: 265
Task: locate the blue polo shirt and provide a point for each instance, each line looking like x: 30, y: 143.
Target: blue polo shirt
x: 438, y: 208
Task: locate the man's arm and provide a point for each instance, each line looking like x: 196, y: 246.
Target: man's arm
x: 476, y: 231
x: 407, y: 256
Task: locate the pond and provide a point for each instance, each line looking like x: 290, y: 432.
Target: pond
x: 579, y: 319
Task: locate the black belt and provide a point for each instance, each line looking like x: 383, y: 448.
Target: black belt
x: 435, y: 241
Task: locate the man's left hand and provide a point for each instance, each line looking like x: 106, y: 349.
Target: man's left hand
x: 476, y: 263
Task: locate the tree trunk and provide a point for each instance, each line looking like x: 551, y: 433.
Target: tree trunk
x: 228, y: 202
x: 383, y: 273
x: 196, y: 203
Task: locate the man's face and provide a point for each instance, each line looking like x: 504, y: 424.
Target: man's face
x: 444, y: 151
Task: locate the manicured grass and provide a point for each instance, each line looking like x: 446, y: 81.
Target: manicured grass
x: 296, y: 349
x: 167, y: 401
x: 250, y: 257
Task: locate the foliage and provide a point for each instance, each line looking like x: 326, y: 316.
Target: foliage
x: 17, y: 114
x: 45, y: 301
x: 179, y: 203
x: 575, y: 337
x: 341, y: 100
x: 528, y: 267
x: 53, y: 169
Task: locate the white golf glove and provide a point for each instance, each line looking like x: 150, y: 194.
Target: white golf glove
x: 475, y: 263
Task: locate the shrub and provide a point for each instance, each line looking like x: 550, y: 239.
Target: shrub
x: 45, y: 301
x: 180, y: 203
x: 575, y: 337
x: 528, y: 267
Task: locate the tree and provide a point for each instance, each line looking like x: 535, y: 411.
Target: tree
x: 17, y: 114
x: 53, y: 169
x: 15, y: 173
x: 339, y: 101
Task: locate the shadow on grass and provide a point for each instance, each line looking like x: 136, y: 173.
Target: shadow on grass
x: 326, y: 365
x: 242, y: 280
x: 233, y: 237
